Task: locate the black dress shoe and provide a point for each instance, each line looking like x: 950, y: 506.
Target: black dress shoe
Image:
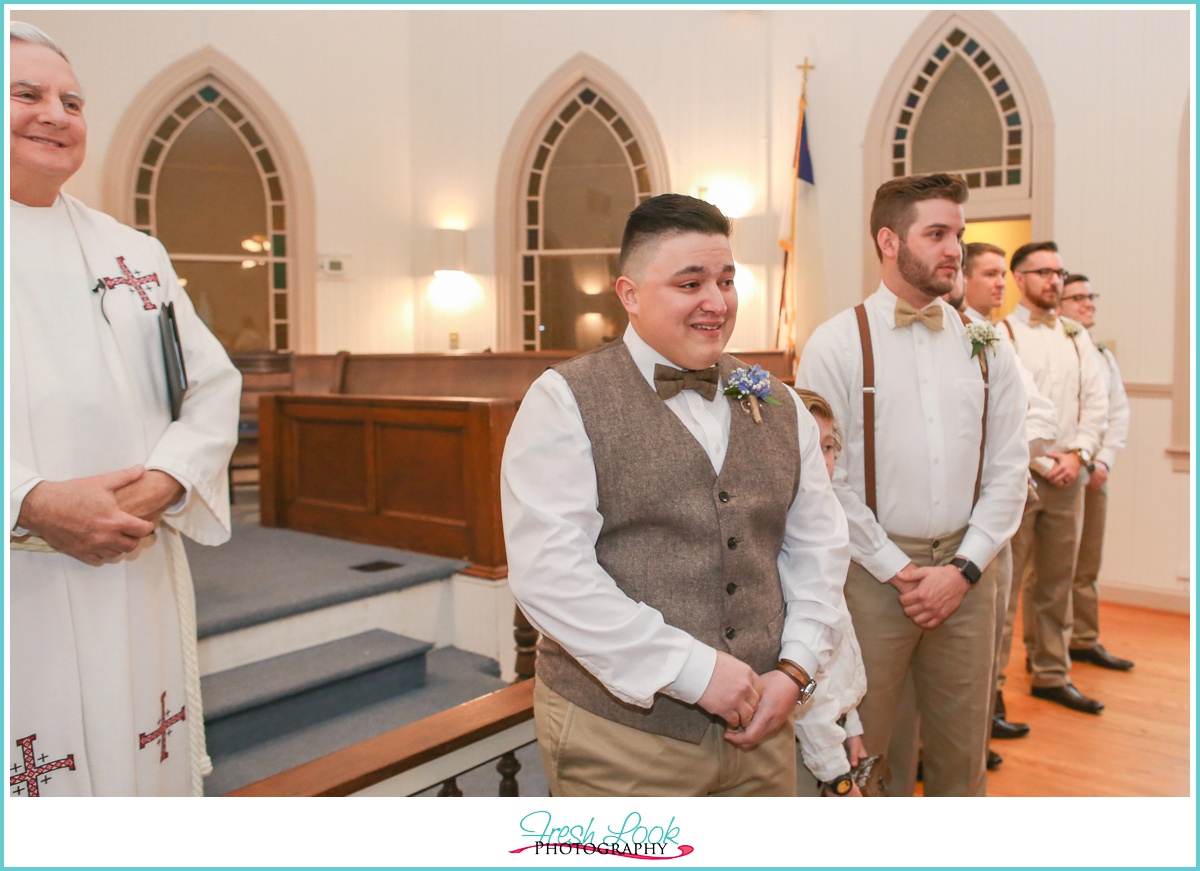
x: 993, y: 760
x: 1068, y: 697
x: 1001, y: 728
x: 1099, y: 656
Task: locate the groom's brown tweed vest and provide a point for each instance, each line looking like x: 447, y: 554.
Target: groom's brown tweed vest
x: 698, y: 546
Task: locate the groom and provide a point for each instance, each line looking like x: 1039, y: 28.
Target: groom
x: 682, y: 559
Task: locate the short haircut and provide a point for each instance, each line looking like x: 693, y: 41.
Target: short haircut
x: 818, y: 406
x: 19, y: 31
x: 976, y: 249
x: 669, y: 215
x: 895, y: 201
x: 1022, y: 253
x: 1074, y: 278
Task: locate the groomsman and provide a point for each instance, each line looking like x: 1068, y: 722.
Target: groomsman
x: 1079, y: 303
x: 984, y: 270
x: 932, y: 479
x: 1064, y: 364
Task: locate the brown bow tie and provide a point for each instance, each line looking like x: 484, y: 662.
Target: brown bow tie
x: 930, y: 316
x: 668, y: 381
x: 1037, y: 316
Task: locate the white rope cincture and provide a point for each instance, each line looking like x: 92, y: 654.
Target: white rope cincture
x: 185, y: 605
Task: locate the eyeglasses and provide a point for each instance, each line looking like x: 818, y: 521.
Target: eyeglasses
x: 1080, y: 297
x: 1046, y: 274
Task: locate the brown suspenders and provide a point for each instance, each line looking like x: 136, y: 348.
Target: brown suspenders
x: 983, y: 370
x: 868, y: 400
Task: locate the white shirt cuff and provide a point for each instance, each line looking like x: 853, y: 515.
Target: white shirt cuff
x: 178, y: 507
x: 16, y: 498
x: 695, y: 675
x: 885, y: 562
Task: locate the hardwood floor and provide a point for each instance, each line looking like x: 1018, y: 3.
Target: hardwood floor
x: 1139, y: 745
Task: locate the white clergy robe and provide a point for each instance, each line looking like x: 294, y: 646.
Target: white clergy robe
x: 104, y: 680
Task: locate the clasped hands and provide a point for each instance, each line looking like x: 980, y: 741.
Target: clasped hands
x: 1067, y: 466
x: 753, y: 705
x: 102, y: 517
x: 930, y: 594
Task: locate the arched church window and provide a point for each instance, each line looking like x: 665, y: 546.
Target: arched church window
x: 961, y: 114
x: 964, y: 95
x: 584, y: 174
x: 209, y: 188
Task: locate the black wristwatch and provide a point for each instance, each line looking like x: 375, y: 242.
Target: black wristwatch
x: 841, y: 786
x: 968, y: 569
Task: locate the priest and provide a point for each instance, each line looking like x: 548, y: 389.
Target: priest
x: 105, y: 475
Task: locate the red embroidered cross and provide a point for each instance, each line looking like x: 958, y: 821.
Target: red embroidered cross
x: 164, y: 724
x: 28, y: 779
x: 135, y: 282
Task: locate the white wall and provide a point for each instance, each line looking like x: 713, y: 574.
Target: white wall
x: 403, y: 116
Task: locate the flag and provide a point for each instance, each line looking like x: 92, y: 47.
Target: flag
x: 803, y: 302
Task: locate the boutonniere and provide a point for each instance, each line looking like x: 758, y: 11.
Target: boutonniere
x: 1102, y: 346
x: 983, y: 336
x: 749, y: 387
x: 1070, y: 327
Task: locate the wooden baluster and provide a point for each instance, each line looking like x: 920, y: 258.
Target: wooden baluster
x: 508, y: 766
x: 450, y: 788
x: 526, y: 640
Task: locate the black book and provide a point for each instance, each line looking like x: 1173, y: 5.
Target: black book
x: 177, y: 383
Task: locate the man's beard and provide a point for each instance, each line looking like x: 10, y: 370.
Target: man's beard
x: 920, y: 276
x: 1041, y: 301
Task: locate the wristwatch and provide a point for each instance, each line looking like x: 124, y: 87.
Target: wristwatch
x: 968, y: 569
x: 807, y: 685
x: 841, y: 786
x: 1085, y: 457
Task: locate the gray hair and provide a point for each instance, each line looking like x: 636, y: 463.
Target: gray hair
x: 19, y: 31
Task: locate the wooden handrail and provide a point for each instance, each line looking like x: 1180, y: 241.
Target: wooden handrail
x: 372, y: 761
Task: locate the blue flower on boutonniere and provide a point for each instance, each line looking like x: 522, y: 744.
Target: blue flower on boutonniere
x: 1070, y: 327
x: 983, y: 336
x: 749, y: 386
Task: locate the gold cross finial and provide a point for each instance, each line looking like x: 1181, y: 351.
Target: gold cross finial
x: 804, y: 69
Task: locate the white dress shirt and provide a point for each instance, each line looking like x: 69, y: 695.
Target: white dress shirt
x: 548, y: 496
x: 928, y: 409
x: 820, y: 727
x: 1067, y: 372
x: 1112, y: 442
x: 1041, y: 420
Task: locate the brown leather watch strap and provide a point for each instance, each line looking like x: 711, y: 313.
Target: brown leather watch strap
x: 795, y: 672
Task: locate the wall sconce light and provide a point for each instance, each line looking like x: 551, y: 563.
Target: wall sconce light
x: 449, y: 250
x: 744, y: 281
x: 452, y: 289
x: 732, y: 196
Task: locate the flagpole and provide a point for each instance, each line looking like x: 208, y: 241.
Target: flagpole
x: 787, y: 294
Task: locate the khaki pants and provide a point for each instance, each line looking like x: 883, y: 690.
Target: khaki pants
x: 1085, y: 597
x: 951, y: 668
x: 587, y: 755
x: 1043, y: 555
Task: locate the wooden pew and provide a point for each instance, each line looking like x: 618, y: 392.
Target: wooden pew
x: 417, y: 473
x: 403, y: 450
